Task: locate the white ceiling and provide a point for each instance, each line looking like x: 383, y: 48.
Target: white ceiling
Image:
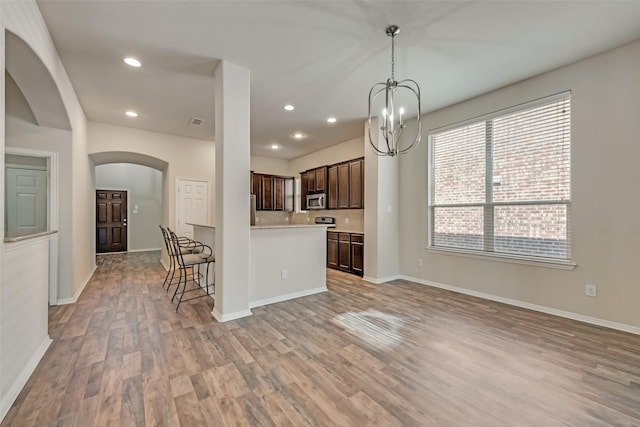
x: 321, y: 56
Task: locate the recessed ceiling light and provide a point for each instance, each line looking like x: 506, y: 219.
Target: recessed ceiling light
x: 274, y: 146
x: 298, y: 135
x: 331, y: 120
x: 132, y: 114
x: 289, y: 107
x: 132, y: 62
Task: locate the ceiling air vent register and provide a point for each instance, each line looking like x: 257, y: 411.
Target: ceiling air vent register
x: 196, y: 121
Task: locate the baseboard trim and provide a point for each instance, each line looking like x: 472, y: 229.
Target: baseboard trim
x: 21, y: 381
x: 293, y: 295
x: 164, y: 264
x: 75, y: 297
x: 379, y: 280
x: 144, y: 250
x: 230, y: 316
x: 548, y: 310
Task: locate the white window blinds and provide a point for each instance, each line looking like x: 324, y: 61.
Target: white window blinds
x: 502, y: 184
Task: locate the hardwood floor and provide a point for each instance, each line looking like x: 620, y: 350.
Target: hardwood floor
x: 397, y: 354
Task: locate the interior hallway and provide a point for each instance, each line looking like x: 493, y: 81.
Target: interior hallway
x: 396, y: 354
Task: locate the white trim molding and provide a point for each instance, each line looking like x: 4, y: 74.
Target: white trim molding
x: 293, y: 295
x: 380, y: 280
x: 21, y: 381
x: 540, y: 308
x: 144, y: 250
x: 231, y: 316
x: 75, y: 297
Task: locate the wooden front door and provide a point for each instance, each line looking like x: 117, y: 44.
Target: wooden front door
x: 111, y: 221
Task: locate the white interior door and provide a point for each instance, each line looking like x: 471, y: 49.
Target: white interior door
x: 26, y: 201
x: 193, y: 206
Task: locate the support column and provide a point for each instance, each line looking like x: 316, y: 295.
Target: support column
x: 232, y: 239
x: 381, y: 216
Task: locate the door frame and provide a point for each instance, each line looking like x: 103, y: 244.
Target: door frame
x: 177, y: 196
x: 52, y: 211
x: 95, y: 225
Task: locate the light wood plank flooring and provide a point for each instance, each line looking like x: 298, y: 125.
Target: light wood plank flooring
x: 397, y: 354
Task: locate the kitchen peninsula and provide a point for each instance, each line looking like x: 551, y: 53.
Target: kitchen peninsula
x: 286, y: 261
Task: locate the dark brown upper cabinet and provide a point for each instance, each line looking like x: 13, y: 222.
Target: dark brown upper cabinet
x: 273, y: 193
x: 356, y: 187
x: 343, y: 184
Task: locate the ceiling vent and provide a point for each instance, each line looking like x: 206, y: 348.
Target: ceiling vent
x: 196, y: 121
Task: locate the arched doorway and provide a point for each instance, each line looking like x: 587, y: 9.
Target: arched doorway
x: 140, y: 180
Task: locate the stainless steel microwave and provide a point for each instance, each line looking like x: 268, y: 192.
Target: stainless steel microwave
x: 315, y: 201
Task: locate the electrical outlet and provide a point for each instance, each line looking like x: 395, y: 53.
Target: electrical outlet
x: 590, y: 290
x: 284, y: 274
x: 420, y: 263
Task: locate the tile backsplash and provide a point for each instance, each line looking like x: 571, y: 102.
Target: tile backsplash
x: 273, y: 218
x: 346, y: 219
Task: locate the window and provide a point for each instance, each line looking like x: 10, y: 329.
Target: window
x: 299, y: 206
x: 501, y: 184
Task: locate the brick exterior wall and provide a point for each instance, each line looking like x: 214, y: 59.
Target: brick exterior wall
x: 529, y: 154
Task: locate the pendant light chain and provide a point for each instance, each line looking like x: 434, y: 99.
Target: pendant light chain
x: 393, y: 56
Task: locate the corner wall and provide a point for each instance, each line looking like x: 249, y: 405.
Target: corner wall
x: 351, y: 149
x: 199, y: 164
x: 23, y: 19
x: 604, y: 212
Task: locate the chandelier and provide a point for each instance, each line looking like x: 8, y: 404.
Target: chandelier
x: 393, y: 122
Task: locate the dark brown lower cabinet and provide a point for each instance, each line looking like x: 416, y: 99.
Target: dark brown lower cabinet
x: 332, y: 249
x: 357, y: 254
x: 345, y: 251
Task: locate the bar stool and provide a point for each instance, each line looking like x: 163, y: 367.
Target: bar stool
x: 200, y: 254
x: 187, y: 246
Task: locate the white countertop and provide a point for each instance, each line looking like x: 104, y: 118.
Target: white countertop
x: 201, y: 225
x: 288, y: 226
x: 14, y: 239
x: 340, y: 230
x: 265, y: 227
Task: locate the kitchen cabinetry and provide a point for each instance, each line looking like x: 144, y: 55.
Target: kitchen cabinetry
x: 314, y: 180
x: 345, y: 188
x: 356, y: 187
x: 267, y: 193
x: 272, y: 192
x: 345, y: 251
x: 342, y: 183
x: 332, y: 187
x: 332, y: 249
x: 357, y: 254
x: 320, y: 174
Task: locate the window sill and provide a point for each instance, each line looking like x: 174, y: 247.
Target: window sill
x: 513, y: 259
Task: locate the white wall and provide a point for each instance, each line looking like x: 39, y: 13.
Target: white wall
x: 269, y: 165
x: 24, y: 20
x: 352, y: 149
x: 605, y: 206
x: 186, y: 158
x: 22, y: 134
x: 24, y: 337
x: 144, y: 190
